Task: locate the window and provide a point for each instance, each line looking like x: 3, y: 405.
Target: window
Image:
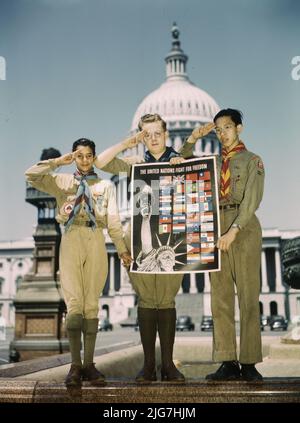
x: 1, y: 285
x: 20, y: 264
x: 18, y: 282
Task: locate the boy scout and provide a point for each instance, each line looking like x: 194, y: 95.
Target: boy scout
x: 156, y: 292
x: 241, y: 182
x: 86, y: 204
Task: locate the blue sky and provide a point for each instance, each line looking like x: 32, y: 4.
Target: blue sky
x: 80, y: 68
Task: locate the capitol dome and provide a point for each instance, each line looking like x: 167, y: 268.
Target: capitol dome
x: 180, y: 103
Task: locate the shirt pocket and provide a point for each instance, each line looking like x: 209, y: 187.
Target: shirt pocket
x: 239, y: 179
x: 100, y: 202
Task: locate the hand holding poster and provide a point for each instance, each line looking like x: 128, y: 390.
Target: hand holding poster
x: 175, y: 217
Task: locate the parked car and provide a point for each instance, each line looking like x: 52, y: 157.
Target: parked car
x: 105, y: 325
x: 206, y: 323
x: 184, y: 323
x: 264, y: 321
x: 278, y: 322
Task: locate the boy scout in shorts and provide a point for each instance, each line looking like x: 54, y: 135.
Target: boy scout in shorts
x: 86, y: 204
x: 241, y: 182
x: 156, y: 292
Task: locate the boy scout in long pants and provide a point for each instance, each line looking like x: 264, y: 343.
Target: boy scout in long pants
x: 156, y: 292
x: 86, y: 204
x: 241, y: 175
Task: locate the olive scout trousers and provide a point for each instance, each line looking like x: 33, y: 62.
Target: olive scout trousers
x: 240, y: 267
x: 83, y: 269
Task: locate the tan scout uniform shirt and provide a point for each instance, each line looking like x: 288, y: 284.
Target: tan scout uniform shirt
x: 64, y: 188
x: 246, y: 182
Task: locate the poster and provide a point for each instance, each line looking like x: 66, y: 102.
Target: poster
x: 175, y: 217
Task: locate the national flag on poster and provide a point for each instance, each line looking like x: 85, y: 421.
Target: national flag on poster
x: 204, y: 176
x: 207, y: 217
x: 179, y: 198
x: 193, y: 237
x: 193, y: 248
x: 194, y: 207
x: 192, y: 258
x: 207, y: 250
x: 207, y: 245
x: 179, y: 188
x: 192, y: 227
x: 164, y: 190
x: 178, y: 179
x: 209, y: 226
x: 178, y: 227
x: 179, y: 218
x: 164, y: 229
x: 191, y: 187
x: 207, y: 258
x: 205, y: 196
x: 165, y: 198
x: 192, y: 195
x: 165, y: 219
x: 207, y: 236
x: 205, y: 206
x: 193, y: 217
x: 165, y: 209
x: 179, y: 208
x: 192, y: 177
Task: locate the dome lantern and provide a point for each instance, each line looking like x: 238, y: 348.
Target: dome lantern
x: 176, y: 60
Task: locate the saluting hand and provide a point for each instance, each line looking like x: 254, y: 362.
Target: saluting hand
x: 68, y: 158
x: 201, y: 131
x: 135, y: 140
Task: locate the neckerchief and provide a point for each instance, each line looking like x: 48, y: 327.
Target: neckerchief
x: 225, y: 170
x: 83, y: 194
x: 168, y: 154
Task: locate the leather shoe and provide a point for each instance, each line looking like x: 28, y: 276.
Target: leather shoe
x: 145, y: 376
x: 172, y: 374
x: 73, y: 378
x: 229, y: 370
x: 250, y: 374
x: 91, y: 374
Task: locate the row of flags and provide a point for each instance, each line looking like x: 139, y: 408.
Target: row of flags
x: 185, y: 207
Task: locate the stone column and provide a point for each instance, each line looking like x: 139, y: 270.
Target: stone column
x: 111, y: 291
x: 264, y: 286
x: 206, y: 282
x: 193, y: 286
x: 278, y: 284
x: 177, y: 143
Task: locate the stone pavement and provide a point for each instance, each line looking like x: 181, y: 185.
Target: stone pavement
x: 42, y: 380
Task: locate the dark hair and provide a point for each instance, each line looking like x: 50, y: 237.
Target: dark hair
x: 85, y: 143
x: 152, y: 118
x: 50, y: 153
x: 235, y: 115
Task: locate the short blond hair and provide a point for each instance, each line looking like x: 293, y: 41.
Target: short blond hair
x: 149, y: 118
